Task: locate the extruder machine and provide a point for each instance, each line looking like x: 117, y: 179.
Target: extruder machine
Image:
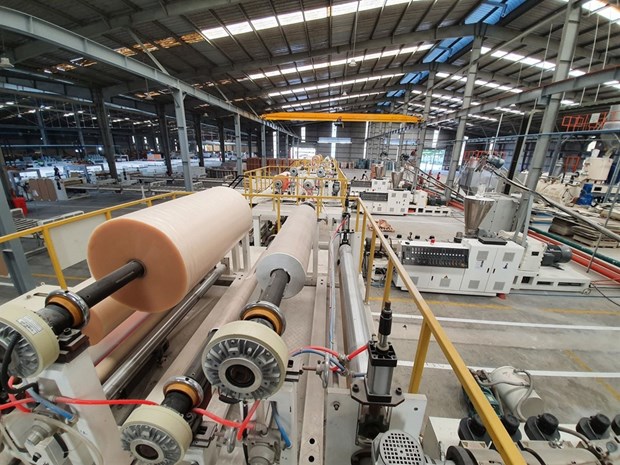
x: 288, y: 367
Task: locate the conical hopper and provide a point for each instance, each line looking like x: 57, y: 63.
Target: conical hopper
x: 397, y: 177
x: 476, y: 208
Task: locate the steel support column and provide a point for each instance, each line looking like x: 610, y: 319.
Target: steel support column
x: 250, y: 147
x: 570, y: 32
x: 106, y: 133
x: 164, y: 137
x: 263, y: 144
x: 403, y: 126
x: 222, y: 136
x: 198, y: 136
x: 238, y: 144
x: 430, y: 82
x: 41, y: 124
x: 13, y: 252
x: 179, y: 109
x: 460, y: 131
x: 78, y: 125
x: 520, y: 145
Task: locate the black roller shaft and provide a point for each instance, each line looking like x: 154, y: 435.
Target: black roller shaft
x: 111, y: 283
x: 57, y: 317
x: 181, y: 402
x: 178, y: 401
x: 275, y: 289
x: 196, y: 372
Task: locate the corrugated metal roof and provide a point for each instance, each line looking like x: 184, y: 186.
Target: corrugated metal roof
x: 254, y: 42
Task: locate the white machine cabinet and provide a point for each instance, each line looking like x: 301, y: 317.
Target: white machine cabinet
x: 505, y: 267
x: 481, y: 261
x: 470, y: 267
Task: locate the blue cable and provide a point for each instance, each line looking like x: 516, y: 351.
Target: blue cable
x: 333, y: 360
x: 50, y: 405
x: 276, y: 417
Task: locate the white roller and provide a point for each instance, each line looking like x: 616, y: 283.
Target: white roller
x: 178, y: 242
x: 290, y: 250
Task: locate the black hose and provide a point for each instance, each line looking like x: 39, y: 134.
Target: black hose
x: 4, y: 370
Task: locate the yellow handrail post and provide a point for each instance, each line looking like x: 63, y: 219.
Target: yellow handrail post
x: 420, y: 358
x: 387, y: 286
x: 251, y: 181
x: 108, y: 215
x: 362, y: 240
x: 357, y: 218
x: 371, y: 259
x: 51, y: 250
x: 278, y: 222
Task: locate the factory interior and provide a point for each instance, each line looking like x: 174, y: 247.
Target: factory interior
x: 310, y: 232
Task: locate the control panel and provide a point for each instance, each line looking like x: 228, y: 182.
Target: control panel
x: 374, y: 196
x: 439, y: 256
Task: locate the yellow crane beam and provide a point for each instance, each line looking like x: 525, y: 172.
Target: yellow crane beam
x: 343, y: 117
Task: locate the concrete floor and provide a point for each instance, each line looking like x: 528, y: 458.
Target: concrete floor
x: 575, y: 358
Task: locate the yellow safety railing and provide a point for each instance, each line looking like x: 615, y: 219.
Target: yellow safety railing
x: 431, y: 327
x: 45, y: 229
x: 258, y: 184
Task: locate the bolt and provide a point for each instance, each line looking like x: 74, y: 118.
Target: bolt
x: 336, y: 406
x: 67, y: 331
x: 355, y: 388
x: 399, y: 391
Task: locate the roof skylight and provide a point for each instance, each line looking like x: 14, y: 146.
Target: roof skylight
x: 297, y: 17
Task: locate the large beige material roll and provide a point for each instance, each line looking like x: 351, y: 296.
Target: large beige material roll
x: 109, y: 343
x: 290, y: 250
x: 105, y: 317
x: 107, y: 365
x: 178, y: 242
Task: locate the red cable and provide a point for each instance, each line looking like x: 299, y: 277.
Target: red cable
x: 9, y: 405
x: 357, y: 351
x: 246, y: 420
x: 70, y: 400
x: 12, y: 397
x: 322, y: 349
x: 214, y: 417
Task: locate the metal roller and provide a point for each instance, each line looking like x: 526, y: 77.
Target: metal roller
x: 290, y: 251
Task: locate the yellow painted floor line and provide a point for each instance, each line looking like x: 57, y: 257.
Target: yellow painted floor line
x: 583, y: 365
x: 576, y: 311
x: 70, y: 278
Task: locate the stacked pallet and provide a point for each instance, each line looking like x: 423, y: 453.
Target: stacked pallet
x: 590, y: 237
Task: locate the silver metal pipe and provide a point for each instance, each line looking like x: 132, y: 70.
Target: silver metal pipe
x: 140, y: 355
x: 357, y: 327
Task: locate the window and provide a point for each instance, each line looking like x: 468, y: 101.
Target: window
x: 334, y: 134
x: 435, y: 138
x: 275, y: 144
x: 303, y: 133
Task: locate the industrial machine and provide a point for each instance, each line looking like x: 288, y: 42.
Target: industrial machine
x: 473, y: 264
x: 284, y: 368
x: 487, y: 261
